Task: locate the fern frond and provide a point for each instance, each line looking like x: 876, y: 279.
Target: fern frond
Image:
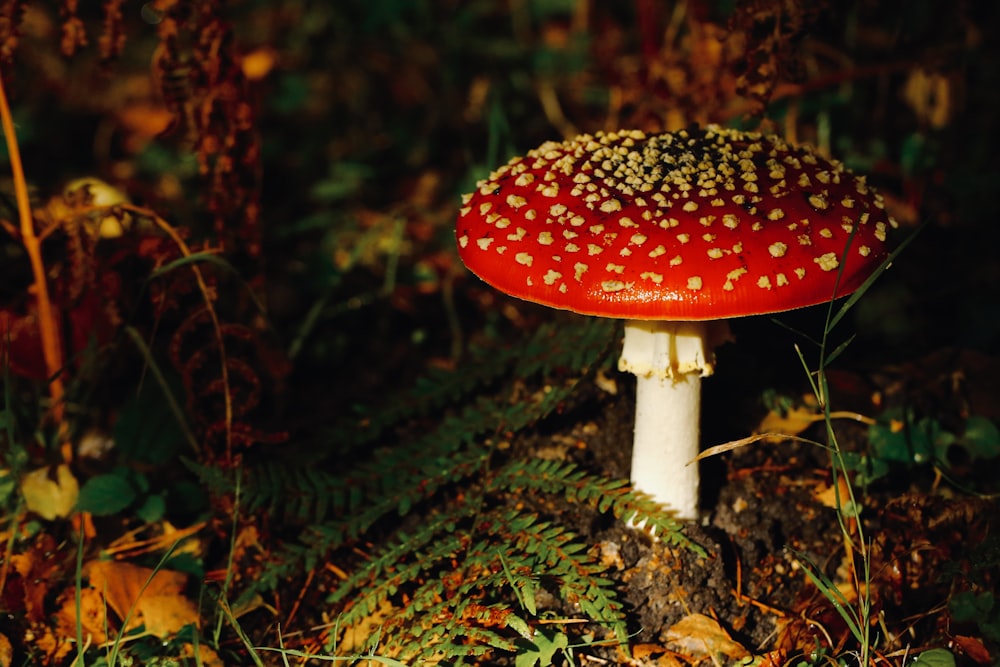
x: 398, y: 477
x: 436, y: 592
x: 463, y: 580
x: 371, y: 578
x: 602, y: 494
x: 444, y: 585
x: 457, y: 630
x: 560, y: 554
x: 549, y: 348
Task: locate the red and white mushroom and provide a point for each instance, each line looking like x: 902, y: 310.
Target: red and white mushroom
x: 671, y: 232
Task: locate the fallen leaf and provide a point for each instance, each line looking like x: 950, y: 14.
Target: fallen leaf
x: 699, y: 636
x: 165, y: 615
x: 795, y: 421
x: 92, y: 617
x: 206, y: 656
x: 50, y: 494
x: 35, y: 569
x: 654, y: 654
x: 973, y: 648
x: 828, y: 495
x: 54, y: 648
x: 162, y: 607
x: 355, y: 637
x: 6, y: 651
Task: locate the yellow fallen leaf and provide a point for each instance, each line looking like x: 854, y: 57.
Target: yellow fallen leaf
x: 699, y: 636
x: 793, y: 422
x: 162, y: 607
x: 165, y: 615
x: 828, y: 495
x: 206, y: 656
x: 51, y: 494
x: 356, y: 636
x: 656, y: 655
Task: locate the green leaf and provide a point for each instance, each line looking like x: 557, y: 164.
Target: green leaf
x: 152, y: 509
x: 887, y: 443
x: 104, y: 495
x: 982, y: 438
x: 186, y: 562
x: 968, y: 606
x: 518, y: 624
x: 542, y: 650
x: 935, y: 657
x: 925, y: 438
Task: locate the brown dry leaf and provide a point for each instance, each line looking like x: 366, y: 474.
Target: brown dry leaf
x: 699, y: 636
x: 973, y: 648
x: 6, y: 651
x: 54, y: 648
x: 36, y: 569
x: 654, y: 654
x: 247, y: 540
x: 92, y: 620
x: 162, y: 608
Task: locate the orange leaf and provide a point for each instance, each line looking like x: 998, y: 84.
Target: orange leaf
x: 699, y: 636
x: 92, y: 616
x: 794, y: 422
x: 161, y: 607
x: 258, y: 63
x: 654, y: 654
x: 973, y: 648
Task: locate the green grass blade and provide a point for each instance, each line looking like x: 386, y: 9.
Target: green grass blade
x: 866, y: 285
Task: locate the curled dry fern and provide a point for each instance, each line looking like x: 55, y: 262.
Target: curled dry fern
x: 461, y: 578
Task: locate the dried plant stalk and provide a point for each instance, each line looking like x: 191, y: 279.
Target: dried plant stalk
x: 48, y: 329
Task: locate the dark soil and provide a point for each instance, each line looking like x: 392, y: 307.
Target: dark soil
x: 768, y: 514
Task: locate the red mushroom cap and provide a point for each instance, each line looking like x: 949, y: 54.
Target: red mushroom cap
x: 693, y: 225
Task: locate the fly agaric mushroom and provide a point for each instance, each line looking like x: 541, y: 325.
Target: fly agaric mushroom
x: 673, y: 233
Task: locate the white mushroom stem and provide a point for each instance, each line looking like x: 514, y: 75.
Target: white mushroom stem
x: 669, y: 359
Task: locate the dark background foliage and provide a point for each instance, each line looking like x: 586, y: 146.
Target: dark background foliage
x: 310, y: 157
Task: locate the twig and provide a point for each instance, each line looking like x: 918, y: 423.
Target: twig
x: 763, y: 606
x: 120, y: 550
x: 302, y: 595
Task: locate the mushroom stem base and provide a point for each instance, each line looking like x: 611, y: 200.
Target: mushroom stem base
x: 666, y: 440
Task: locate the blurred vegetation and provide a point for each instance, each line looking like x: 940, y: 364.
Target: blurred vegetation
x: 264, y: 322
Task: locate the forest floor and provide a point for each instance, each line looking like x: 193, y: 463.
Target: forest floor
x: 261, y: 414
